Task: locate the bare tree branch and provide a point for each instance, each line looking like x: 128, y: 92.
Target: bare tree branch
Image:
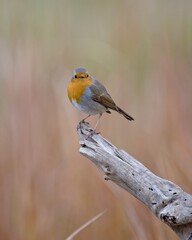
x: 165, y: 199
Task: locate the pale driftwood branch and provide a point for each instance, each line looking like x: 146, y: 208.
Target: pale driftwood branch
x: 165, y: 199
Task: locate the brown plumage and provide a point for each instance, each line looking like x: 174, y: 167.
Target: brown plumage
x: 88, y: 95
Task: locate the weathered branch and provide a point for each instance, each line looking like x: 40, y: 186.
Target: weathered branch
x: 165, y: 199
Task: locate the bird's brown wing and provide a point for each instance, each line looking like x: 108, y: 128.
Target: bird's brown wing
x: 105, y: 101
x: 100, y: 95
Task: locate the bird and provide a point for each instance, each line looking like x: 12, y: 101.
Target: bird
x: 90, y: 96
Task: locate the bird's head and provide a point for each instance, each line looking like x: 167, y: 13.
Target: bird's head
x: 80, y: 73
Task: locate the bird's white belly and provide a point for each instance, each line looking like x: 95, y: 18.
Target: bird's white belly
x: 89, y: 107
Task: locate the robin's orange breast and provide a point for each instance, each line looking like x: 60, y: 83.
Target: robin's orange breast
x: 77, y: 88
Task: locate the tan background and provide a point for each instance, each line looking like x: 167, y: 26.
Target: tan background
x: 142, y: 52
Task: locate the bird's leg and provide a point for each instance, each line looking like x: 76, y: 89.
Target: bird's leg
x: 100, y: 114
x: 92, y: 131
x: 83, y: 120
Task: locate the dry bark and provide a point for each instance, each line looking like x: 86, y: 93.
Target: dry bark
x: 165, y: 199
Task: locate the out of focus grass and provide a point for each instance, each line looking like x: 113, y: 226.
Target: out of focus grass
x: 142, y: 52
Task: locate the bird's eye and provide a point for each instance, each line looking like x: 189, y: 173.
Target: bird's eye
x: 75, y: 76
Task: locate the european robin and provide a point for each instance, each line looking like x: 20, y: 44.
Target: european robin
x: 88, y: 95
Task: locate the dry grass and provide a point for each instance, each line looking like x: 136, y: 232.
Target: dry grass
x: 142, y: 52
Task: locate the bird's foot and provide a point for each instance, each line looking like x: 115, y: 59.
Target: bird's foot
x: 92, y: 132
x: 80, y: 125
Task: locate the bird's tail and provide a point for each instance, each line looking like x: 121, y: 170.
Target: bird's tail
x: 119, y: 110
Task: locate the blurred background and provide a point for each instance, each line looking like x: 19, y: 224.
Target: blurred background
x: 142, y: 52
